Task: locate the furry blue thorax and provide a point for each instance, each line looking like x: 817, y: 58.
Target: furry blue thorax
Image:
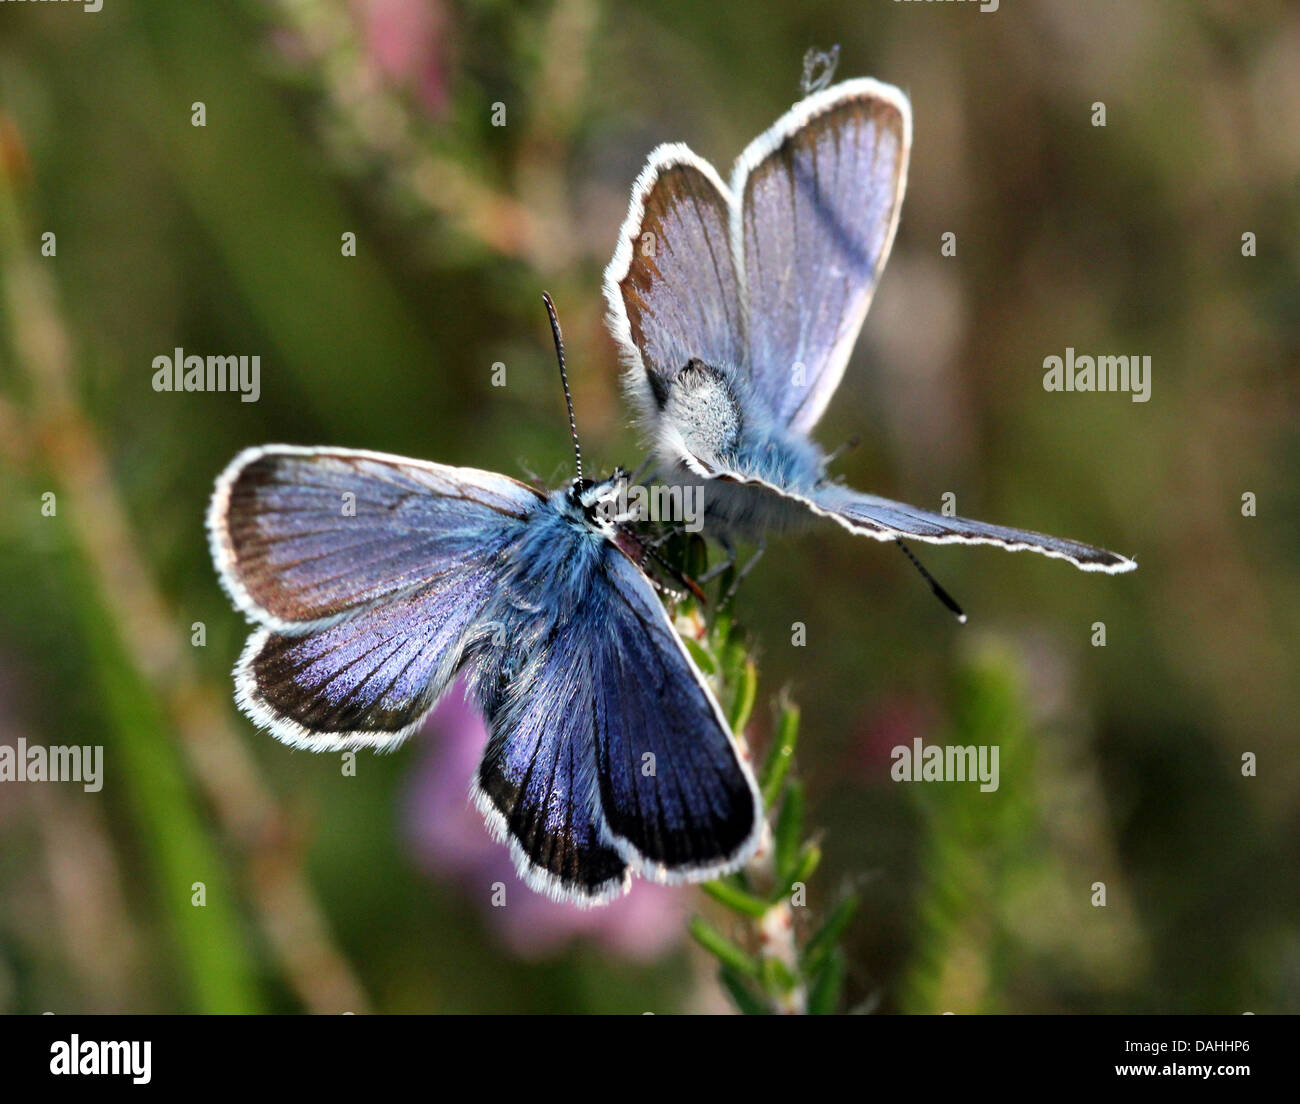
x: 559, y: 547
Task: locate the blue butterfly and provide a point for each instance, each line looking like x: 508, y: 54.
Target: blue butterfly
x: 736, y: 308
x: 374, y: 579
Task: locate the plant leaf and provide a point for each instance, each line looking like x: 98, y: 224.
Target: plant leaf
x: 745, y: 999
x: 822, y: 945
x: 789, y: 831
x: 727, y: 893
x: 722, y: 948
x: 779, y: 759
x: 828, y: 987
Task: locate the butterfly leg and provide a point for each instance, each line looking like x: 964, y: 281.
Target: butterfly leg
x: 639, y: 474
x: 718, y: 568
x: 671, y: 529
x: 641, y: 550
x: 673, y: 596
x: 745, y: 569
x: 847, y: 446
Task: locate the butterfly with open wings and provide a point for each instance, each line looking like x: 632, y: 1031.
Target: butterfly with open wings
x: 735, y: 309
x: 373, y: 579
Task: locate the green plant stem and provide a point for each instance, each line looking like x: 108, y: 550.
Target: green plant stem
x: 170, y: 726
x: 778, y: 975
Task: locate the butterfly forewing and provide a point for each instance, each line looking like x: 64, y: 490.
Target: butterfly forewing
x: 671, y: 287
x: 679, y: 799
x: 817, y: 203
x: 304, y: 537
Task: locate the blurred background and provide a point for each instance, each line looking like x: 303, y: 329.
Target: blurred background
x: 325, y: 890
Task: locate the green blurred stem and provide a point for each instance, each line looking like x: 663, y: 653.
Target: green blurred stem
x: 211, y: 943
x: 781, y: 756
x: 723, y: 949
x: 824, y: 943
x: 725, y: 893
x: 167, y: 721
x: 212, y: 948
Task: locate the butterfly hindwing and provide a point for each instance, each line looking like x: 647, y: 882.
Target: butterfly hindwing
x: 888, y: 520
x: 885, y: 519
x: 369, y: 680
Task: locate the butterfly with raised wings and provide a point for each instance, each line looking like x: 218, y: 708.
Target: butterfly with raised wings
x: 735, y: 309
x: 373, y: 579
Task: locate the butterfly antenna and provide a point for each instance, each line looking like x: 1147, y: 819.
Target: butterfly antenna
x: 939, y: 592
x: 564, y: 378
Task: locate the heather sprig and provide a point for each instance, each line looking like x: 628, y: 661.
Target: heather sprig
x: 778, y: 954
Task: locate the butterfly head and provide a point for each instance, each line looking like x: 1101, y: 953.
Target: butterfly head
x: 602, y: 503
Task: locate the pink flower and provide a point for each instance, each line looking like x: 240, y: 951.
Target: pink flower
x: 452, y: 844
x: 406, y: 45
x: 895, y: 722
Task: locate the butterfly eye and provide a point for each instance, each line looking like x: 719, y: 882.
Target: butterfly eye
x: 586, y: 495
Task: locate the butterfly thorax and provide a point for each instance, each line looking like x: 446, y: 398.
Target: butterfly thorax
x: 707, y: 410
x: 701, y: 409
x: 552, y: 573
x: 707, y: 417
x: 554, y: 561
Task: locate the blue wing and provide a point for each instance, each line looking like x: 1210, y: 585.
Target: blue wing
x: 536, y: 784
x: 608, y: 749
x: 757, y: 504
x: 767, y: 282
x: 884, y: 519
x: 368, y: 574
x: 303, y: 537
x: 671, y: 287
x: 817, y: 200
x: 679, y: 801
x: 370, y: 680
